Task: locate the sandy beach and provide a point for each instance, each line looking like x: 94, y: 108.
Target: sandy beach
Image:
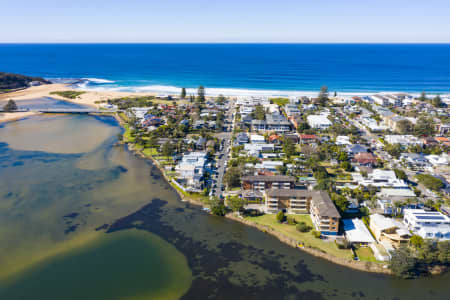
x: 88, y: 98
x: 6, y: 117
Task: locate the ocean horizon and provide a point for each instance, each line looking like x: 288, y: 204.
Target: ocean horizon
x: 259, y: 69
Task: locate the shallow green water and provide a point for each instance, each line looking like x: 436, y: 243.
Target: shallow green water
x: 53, y: 200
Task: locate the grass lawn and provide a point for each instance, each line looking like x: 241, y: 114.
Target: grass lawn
x: 280, y: 101
x: 365, y: 254
x: 150, y: 152
x: 191, y: 196
x: 123, y: 116
x: 305, y: 237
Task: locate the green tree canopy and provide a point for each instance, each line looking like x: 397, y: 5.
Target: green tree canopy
x: 323, y: 95
x: 10, y: 106
x: 183, y: 93
x: 236, y: 203
x: 201, y: 94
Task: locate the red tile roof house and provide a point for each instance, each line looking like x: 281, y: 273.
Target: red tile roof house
x: 308, y: 138
x: 365, y: 159
x: 274, y: 139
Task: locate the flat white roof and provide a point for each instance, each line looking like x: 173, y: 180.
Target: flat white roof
x: 357, y: 232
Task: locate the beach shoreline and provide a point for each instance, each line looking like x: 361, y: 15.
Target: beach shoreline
x: 88, y: 98
x: 15, y: 116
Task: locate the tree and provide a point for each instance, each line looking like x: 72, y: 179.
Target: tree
x: 201, y: 94
x: 303, y: 227
x: 416, y: 241
x: 323, y: 95
x: 302, y: 126
x: 167, y: 149
x: 346, y: 166
x: 233, y: 177
x: 317, y: 234
x: 183, y: 93
x: 288, y: 147
x: 430, y: 182
x: 342, y: 156
x: 221, y: 99
x: 236, y: 203
x: 394, y: 150
x: 444, y: 252
x: 280, y: 216
x: 403, y: 263
x: 423, y: 96
x: 437, y: 101
x: 405, y: 127
x: 424, y: 126
x: 258, y: 113
x: 320, y: 173
x: 10, y: 106
x: 400, y: 174
x: 217, y: 207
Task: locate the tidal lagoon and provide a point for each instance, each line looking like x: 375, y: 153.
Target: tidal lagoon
x: 83, y: 218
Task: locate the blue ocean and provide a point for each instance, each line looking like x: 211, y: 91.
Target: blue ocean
x: 234, y: 69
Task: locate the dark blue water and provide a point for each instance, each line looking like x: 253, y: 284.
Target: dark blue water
x: 279, y: 68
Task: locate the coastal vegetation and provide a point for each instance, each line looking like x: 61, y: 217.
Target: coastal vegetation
x: 11, y: 81
x: 420, y: 257
x: 430, y: 182
x: 68, y: 94
x: 10, y: 106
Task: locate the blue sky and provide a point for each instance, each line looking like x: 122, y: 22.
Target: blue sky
x: 225, y: 21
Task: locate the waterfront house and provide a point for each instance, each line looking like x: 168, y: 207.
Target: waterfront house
x: 427, y: 224
x: 388, y: 230
x: 289, y: 200
x: 261, y: 183
x: 324, y: 214
x: 356, y: 232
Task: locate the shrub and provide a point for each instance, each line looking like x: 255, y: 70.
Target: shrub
x: 291, y: 220
x: 316, y: 234
x: 302, y: 227
x: 280, y: 216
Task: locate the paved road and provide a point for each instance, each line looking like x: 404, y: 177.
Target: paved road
x: 224, y: 154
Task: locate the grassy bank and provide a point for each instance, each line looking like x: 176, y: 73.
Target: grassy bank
x: 302, y: 237
x: 68, y: 94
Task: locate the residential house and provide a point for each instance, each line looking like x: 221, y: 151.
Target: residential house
x: 319, y: 121
x: 342, y: 140
x: 356, y: 232
x: 261, y: 183
x: 191, y: 169
x: 365, y: 159
x: 427, y: 224
x: 380, y: 100
x: 438, y: 160
x: 414, y: 160
x: 241, y: 138
x: 324, y: 214
x: 291, y: 201
x: 403, y: 140
x: 309, y: 139
x: 278, y: 123
x: 257, y: 139
x: 388, y: 230
x: 356, y: 149
x: 291, y: 110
